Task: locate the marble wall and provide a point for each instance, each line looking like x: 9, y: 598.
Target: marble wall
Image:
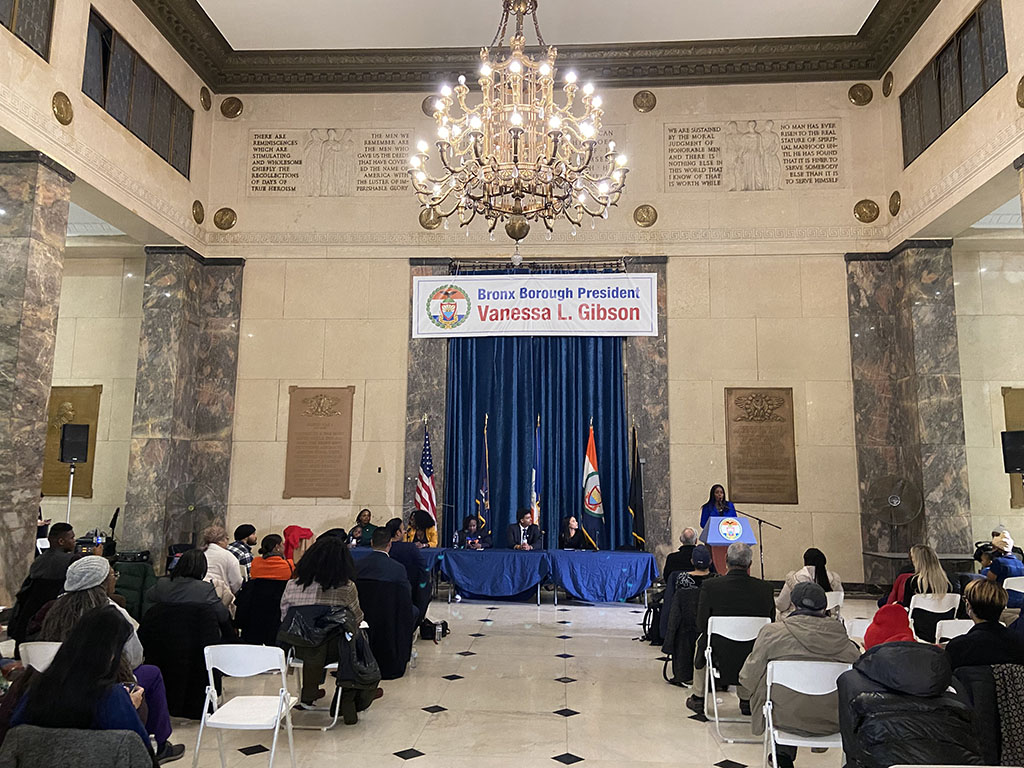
x: 908, y: 407
x: 34, y: 195
x: 184, y: 403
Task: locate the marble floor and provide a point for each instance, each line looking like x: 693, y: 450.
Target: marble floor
x: 517, y: 685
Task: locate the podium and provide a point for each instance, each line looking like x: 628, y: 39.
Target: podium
x: 720, y: 532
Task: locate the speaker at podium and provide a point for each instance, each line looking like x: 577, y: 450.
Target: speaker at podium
x: 720, y: 532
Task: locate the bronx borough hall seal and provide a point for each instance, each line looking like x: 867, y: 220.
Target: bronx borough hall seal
x: 448, y: 307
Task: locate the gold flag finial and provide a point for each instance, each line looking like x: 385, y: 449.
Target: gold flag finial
x: 485, y: 420
x: 538, y: 420
x: 424, y: 419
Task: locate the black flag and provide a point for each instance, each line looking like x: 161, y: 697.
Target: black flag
x: 636, y: 497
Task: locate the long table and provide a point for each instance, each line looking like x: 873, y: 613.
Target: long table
x: 599, y: 577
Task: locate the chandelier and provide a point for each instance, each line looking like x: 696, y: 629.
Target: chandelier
x: 517, y: 156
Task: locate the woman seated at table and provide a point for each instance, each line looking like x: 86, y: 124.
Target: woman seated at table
x: 717, y: 506
x: 422, y: 529
x: 571, y: 535
x: 471, y: 536
x: 272, y: 564
x: 524, y: 534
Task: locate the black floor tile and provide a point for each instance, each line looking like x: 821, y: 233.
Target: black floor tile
x: 566, y: 712
x: 478, y: 634
x: 730, y: 764
x: 408, y: 754
x: 255, y: 749
x: 565, y: 637
x: 568, y: 758
x: 452, y: 677
x: 434, y: 709
x: 564, y: 656
x: 465, y: 653
x: 565, y: 679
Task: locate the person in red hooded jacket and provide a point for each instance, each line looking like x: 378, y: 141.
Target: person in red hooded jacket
x: 891, y: 624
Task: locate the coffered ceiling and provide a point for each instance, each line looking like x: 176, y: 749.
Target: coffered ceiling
x: 323, y: 46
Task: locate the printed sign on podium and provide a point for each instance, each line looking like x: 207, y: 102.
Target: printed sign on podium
x: 720, y: 532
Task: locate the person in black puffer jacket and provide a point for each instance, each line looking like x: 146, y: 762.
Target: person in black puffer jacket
x: 895, y: 710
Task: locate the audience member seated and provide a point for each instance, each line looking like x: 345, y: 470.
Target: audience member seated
x: 325, y: 576
x: 571, y: 536
x: 45, y: 580
x: 523, y: 534
x: 928, y: 579
x: 1003, y: 566
x: 271, y: 563
x: 188, y: 584
x: 680, y: 559
x: 134, y: 580
x: 221, y: 565
x: 807, y: 634
x: 29, y: 746
x: 88, y: 586
x: 680, y: 628
x: 258, y: 610
x: 296, y: 539
x: 241, y: 547
x: 365, y: 527
x: 422, y: 529
x: 890, y: 624
x: 471, y: 536
x: 895, y: 709
x: 814, y: 571
x: 386, y: 597
x: 81, y: 688
x: 737, y: 593
x: 417, y: 570
x: 988, y: 642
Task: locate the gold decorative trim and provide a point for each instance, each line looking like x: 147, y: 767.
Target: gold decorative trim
x: 198, y: 212
x: 205, y: 99
x: 860, y: 94
x: 430, y: 219
x: 887, y: 84
x: 866, y: 211
x: 1020, y: 93
x: 225, y: 218
x: 62, y: 109
x: 231, y: 107
x: 645, y: 215
x: 895, y: 203
x: 644, y: 101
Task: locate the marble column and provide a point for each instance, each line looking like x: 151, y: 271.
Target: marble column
x: 908, y: 406
x: 179, y: 466
x: 646, y: 367
x: 34, y: 196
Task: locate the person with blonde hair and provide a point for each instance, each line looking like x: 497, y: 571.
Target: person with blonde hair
x: 928, y: 579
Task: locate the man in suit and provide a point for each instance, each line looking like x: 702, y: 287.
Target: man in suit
x: 411, y: 558
x: 379, y: 565
x: 386, y: 599
x: 523, y: 535
x: 737, y: 593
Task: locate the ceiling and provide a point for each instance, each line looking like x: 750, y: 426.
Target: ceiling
x: 344, y: 24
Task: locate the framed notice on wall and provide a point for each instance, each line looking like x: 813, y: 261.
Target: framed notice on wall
x: 70, y: 405
x: 760, y: 445
x: 319, y: 454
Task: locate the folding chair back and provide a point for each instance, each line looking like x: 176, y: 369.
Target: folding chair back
x: 738, y: 628
x: 938, y: 604
x: 834, y: 600
x: 38, y: 655
x: 856, y: 628
x: 1014, y: 584
x: 238, y: 660
x: 950, y: 628
x: 812, y: 678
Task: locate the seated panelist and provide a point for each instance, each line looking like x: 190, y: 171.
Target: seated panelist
x: 524, y: 534
x: 571, y: 537
x: 471, y: 536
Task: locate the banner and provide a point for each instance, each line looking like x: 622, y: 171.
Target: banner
x: 587, y: 304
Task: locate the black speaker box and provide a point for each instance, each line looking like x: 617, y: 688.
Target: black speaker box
x: 74, y: 443
x: 1013, y: 451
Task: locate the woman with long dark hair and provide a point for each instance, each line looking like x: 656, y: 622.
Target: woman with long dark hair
x: 326, y: 575
x: 81, y: 688
x: 814, y: 570
x: 366, y: 528
x: 422, y: 529
x: 716, y: 506
x: 570, y: 536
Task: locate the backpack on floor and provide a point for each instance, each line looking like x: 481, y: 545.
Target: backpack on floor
x: 428, y: 629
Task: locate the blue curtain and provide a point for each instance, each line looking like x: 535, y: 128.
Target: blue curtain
x: 567, y: 381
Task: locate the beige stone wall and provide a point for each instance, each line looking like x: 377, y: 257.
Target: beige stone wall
x: 97, y: 343
x: 990, y: 325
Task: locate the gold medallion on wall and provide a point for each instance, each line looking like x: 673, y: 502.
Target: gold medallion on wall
x: 866, y: 211
x: 198, y: 212
x: 428, y: 105
x: 62, y: 109
x: 645, y: 215
x: 860, y: 94
x: 887, y: 84
x: 1020, y: 93
x: 895, y: 203
x: 225, y: 218
x: 430, y: 219
x: 644, y: 101
x: 205, y: 99
x: 231, y: 107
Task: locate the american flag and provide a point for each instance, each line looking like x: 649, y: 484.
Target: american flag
x: 426, y: 497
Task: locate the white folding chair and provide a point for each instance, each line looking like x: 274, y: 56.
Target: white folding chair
x: 940, y: 604
x: 740, y: 629
x: 812, y: 678
x: 855, y: 628
x: 1014, y: 584
x: 39, y: 656
x: 297, y: 665
x: 834, y: 600
x: 246, y: 713
x: 950, y: 628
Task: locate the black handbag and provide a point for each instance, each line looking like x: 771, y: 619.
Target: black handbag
x: 357, y: 667
x: 307, y: 626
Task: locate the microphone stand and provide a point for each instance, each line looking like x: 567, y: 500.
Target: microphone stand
x: 760, y: 539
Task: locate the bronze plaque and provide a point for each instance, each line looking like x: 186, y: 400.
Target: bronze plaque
x: 760, y: 445
x: 319, y: 442
x: 70, y: 405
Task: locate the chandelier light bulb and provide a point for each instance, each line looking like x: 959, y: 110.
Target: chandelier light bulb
x: 603, y: 187
x: 439, y: 106
x: 582, y: 197
x: 611, y: 146
x: 421, y: 176
x: 414, y: 161
x: 445, y: 90
x: 443, y: 132
x: 437, y: 189
x: 485, y: 69
x: 570, y: 77
x: 616, y: 176
x: 587, y: 130
x: 621, y: 160
x: 597, y: 101
x: 588, y: 89
x: 545, y: 69
x: 421, y: 145
x: 516, y: 119
x: 475, y: 122
x: 456, y: 131
x: 462, y: 79
x: 555, y: 122
x: 515, y: 66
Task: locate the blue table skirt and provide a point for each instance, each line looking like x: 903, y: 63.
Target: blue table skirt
x: 495, y: 572
x: 603, y: 577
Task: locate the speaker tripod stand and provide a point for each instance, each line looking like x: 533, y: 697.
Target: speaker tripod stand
x: 71, y: 487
